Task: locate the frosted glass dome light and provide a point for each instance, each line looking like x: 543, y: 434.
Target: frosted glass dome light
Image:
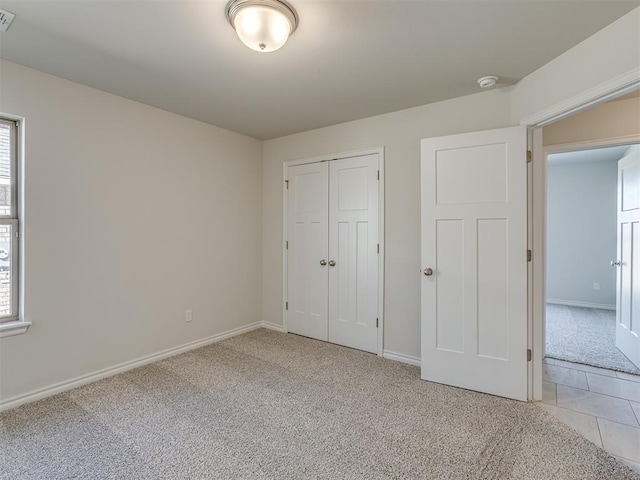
x: 262, y: 25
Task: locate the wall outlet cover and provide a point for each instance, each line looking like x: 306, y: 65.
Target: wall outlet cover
x: 5, y: 20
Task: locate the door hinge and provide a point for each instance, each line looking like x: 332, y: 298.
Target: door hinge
x: 17, y: 234
x: 378, y: 174
x: 528, y: 355
x: 529, y: 156
x: 377, y: 321
x: 378, y: 248
x: 529, y: 255
x: 286, y: 306
x: 286, y: 182
x: 286, y: 245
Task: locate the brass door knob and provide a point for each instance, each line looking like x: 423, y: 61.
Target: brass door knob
x: 332, y: 263
x: 428, y: 271
x: 323, y: 262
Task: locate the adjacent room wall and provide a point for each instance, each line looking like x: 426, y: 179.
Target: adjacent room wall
x: 569, y: 277
x: 133, y: 215
x: 615, y: 119
x: 581, y: 232
x: 400, y: 134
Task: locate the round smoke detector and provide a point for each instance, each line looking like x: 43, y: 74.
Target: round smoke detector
x: 488, y: 81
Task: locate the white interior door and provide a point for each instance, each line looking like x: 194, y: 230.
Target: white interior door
x: 474, y: 252
x: 628, y: 262
x: 307, y: 234
x: 353, y: 252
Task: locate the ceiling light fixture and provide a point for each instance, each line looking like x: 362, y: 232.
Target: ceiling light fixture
x: 262, y: 25
x: 489, y: 81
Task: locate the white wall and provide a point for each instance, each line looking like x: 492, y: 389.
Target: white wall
x: 609, y: 53
x: 612, y: 52
x: 100, y: 169
x: 400, y: 133
x: 581, y: 232
x: 133, y: 215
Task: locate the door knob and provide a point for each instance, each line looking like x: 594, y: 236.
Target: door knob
x: 428, y: 271
x: 332, y: 263
x: 615, y: 264
x: 323, y: 262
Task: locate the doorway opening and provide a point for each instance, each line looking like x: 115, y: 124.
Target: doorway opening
x: 584, y: 274
x: 597, y: 402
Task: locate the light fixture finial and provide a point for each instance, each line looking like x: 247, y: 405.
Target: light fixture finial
x: 262, y: 25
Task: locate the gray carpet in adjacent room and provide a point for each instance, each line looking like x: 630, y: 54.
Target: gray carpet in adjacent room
x: 585, y: 335
x: 267, y: 405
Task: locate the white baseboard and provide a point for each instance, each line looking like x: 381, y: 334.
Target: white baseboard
x: 401, y: 357
x: 13, y: 402
x: 34, y: 395
x: 571, y: 303
x: 273, y: 326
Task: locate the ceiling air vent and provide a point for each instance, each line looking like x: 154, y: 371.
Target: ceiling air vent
x: 5, y: 20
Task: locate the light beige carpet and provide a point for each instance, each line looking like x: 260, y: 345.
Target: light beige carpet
x: 585, y: 335
x: 274, y: 406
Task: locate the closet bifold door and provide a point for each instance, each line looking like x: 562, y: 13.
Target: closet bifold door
x: 353, y: 252
x: 307, y: 262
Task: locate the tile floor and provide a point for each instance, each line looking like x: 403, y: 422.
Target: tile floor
x: 601, y: 404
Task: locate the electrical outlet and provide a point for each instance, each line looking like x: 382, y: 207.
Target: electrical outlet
x: 188, y: 315
x: 596, y: 286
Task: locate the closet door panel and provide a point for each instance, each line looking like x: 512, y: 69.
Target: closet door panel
x: 307, y: 234
x: 353, y: 252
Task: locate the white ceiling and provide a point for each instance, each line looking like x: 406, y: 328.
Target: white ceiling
x: 347, y: 60
x: 605, y: 154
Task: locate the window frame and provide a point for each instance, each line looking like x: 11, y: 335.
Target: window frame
x: 13, y: 220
